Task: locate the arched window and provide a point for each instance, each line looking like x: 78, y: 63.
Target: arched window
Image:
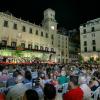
x: 23, y: 45
x: 30, y: 46
x: 13, y: 44
x: 36, y: 47
x: 46, y: 49
x: 4, y: 43
x: 41, y: 47
x: 52, y: 49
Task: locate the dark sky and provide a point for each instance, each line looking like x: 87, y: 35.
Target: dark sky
x: 69, y: 13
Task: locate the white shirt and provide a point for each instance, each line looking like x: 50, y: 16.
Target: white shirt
x: 17, y: 91
x: 87, y: 91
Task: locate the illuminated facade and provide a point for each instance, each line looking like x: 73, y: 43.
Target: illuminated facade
x: 32, y: 40
x: 90, y: 39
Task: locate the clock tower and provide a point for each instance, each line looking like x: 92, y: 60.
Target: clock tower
x: 49, y: 21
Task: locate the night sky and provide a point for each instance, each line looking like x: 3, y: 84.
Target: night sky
x: 69, y: 13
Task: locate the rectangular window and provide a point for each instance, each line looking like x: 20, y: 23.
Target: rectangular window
x: 30, y: 30
x: 84, y: 36
x: 5, y: 23
x: 85, y: 43
x: 23, y: 29
x: 58, y: 45
x: 62, y: 60
x: 84, y: 31
x: 52, y: 37
x: 4, y: 43
x: 93, y: 35
x: 92, y: 29
x: 41, y: 33
x: 13, y: 44
x: 15, y: 26
x: 46, y: 35
x: 93, y: 42
x: 23, y: 45
x: 85, y: 49
x: 36, y: 32
x: 94, y: 48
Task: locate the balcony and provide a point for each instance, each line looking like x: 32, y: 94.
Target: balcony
x: 26, y: 49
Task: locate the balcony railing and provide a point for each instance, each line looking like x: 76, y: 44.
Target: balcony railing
x: 25, y: 49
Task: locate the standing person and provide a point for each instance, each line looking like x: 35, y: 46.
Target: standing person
x: 18, y: 90
x: 85, y: 88
x: 63, y: 79
x: 75, y: 92
x: 30, y: 95
x: 28, y: 77
x: 49, y: 92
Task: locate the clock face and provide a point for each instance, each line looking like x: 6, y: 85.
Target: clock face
x: 52, y: 27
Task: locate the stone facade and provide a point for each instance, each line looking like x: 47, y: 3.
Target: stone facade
x: 43, y: 41
x: 90, y: 39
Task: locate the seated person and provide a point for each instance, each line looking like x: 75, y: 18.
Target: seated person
x: 49, y: 92
x: 31, y: 95
x: 75, y: 92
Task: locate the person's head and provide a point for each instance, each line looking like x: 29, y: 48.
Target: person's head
x: 49, y: 92
x: 28, y: 75
x: 82, y: 80
x: 73, y: 82
x: 19, y: 79
x: 15, y: 73
x: 63, y: 73
x: 31, y: 95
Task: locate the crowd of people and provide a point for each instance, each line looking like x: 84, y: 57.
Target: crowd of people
x: 50, y: 82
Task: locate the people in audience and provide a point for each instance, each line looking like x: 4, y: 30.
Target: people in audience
x: 20, y: 78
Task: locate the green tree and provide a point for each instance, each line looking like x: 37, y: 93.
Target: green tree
x: 17, y: 53
x: 80, y: 59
